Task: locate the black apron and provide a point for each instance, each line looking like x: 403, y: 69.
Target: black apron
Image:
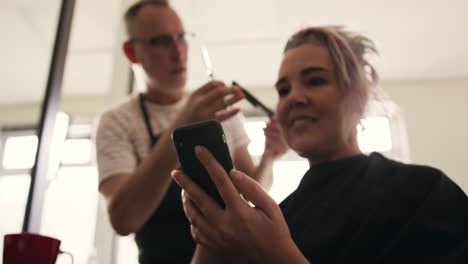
x: 165, y: 237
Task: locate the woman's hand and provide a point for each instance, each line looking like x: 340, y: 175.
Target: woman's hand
x: 255, y: 232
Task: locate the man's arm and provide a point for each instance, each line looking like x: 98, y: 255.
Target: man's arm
x: 133, y: 197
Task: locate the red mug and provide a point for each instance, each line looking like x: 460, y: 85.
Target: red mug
x: 25, y: 248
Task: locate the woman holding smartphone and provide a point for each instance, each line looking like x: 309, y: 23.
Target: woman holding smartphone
x: 349, y: 207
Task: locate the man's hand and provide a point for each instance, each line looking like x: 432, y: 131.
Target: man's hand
x: 275, y: 144
x: 211, y: 101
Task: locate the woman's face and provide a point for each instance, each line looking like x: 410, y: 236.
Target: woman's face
x: 313, y: 112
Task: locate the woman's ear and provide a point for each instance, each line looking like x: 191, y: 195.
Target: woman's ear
x: 129, y: 52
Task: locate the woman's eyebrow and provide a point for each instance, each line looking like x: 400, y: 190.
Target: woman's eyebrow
x: 304, y: 72
x: 313, y: 69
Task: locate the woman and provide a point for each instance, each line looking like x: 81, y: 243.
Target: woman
x: 349, y: 207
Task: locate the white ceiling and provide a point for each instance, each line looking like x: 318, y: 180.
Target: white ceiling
x: 418, y: 40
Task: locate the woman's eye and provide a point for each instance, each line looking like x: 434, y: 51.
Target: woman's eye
x: 282, y: 91
x: 315, y: 81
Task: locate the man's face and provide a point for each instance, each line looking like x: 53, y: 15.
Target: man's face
x: 159, y: 46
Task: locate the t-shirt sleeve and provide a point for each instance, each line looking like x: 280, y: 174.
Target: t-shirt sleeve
x: 114, y: 151
x: 235, y: 132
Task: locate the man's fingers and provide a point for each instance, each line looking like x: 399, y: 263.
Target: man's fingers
x: 219, y: 92
x: 209, y: 86
x: 216, y: 94
x: 234, y: 98
x: 226, y: 114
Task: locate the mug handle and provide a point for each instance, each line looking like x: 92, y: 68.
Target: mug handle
x: 68, y: 254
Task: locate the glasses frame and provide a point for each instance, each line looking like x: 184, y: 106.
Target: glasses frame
x: 164, y: 41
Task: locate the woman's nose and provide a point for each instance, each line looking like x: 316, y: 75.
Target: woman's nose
x: 296, y: 97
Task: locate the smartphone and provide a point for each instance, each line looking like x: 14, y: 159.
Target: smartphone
x: 209, y: 134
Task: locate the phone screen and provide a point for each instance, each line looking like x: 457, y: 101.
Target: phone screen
x: 209, y: 134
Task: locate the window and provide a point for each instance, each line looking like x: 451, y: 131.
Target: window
x: 17, y: 153
x: 13, y: 195
x: 20, y: 152
x: 71, y: 198
x: 76, y: 152
x: 126, y: 251
x: 70, y: 208
x: 375, y: 133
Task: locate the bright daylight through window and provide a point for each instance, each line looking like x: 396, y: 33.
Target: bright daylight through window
x: 374, y: 134
x: 71, y: 197
x: 19, y: 152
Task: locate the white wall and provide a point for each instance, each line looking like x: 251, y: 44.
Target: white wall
x: 79, y: 107
x: 436, y: 114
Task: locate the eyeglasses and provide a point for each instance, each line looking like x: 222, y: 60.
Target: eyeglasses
x: 163, y: 41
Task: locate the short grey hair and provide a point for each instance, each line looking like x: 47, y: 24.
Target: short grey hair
x: 135, y: 8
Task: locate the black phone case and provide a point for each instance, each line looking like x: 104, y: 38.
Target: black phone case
x: 209, y: 134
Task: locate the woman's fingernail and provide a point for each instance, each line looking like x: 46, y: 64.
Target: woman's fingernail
x: 175, y: 176
x: 198, y: 149
x: 235, y: 174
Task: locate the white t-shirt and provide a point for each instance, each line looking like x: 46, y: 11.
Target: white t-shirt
x: 122, y: 139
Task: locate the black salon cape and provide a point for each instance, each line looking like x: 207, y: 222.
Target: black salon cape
x: 368, y: 209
